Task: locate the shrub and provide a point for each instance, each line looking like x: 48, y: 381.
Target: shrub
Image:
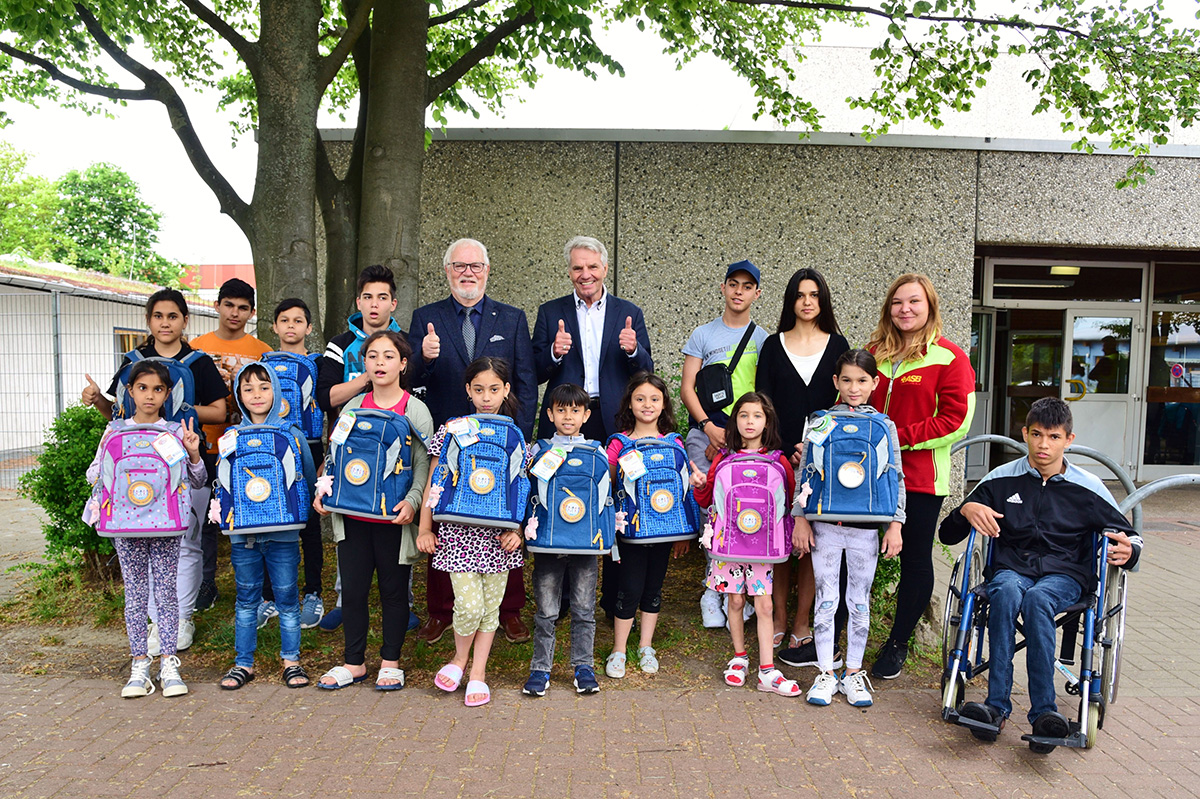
x: 58, y: 484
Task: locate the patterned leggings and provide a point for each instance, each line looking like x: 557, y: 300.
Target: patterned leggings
x: 138, y: 557
x: 862, y: 553
x: 477, y: 600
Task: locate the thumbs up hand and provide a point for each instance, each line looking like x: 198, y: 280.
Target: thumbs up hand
x: 628, y: 338
x: 431, y: 345
x: 91, y: 392
x: 562, y: 340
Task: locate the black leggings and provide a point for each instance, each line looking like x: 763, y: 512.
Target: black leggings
x: 916, y: 564
x: 640, y: 578
x: 371, y: 548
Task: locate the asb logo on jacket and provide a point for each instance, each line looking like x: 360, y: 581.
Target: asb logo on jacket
x: 911, y: 379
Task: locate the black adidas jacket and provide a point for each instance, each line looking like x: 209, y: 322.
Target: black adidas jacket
x: 1048, y: 527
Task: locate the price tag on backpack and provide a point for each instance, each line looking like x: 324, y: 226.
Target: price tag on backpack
x: 169, y: 448
x: 341, y: 430
x: 821, y: 430
x: 227, y: 443
x: 632, y: 464
x: 548, y: 464
x: 464, y: 429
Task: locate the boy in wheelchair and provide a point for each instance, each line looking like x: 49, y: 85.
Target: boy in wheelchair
x: 1043, y: 514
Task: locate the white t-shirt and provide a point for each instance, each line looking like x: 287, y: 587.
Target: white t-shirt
x: 805, y: 365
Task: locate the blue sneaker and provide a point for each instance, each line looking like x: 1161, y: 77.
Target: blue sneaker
x: 585, y: 680
x: 538, y: 683
x: 311, y: 611
x: 414, y: 621
x: 331, y: 620
x: 266, y: 612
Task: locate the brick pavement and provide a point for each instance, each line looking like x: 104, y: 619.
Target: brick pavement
x: 77, y: 738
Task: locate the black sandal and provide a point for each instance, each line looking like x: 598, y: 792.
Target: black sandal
x: 239, y: 676
x: 292, y: 672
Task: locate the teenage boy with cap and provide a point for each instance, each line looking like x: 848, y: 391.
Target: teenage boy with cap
x: 716, y: 343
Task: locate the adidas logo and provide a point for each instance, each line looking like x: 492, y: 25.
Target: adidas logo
x: 1015, y: 499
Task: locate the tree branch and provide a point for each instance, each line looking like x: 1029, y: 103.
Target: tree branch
x: 329, y: 66
x: 484, y: 48
x: 160, y: 89
x: 1000, y: 22
x: 244, y: 48
x: 111, y: 92
x: 449, y: 16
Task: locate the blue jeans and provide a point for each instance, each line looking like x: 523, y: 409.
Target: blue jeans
x: 548, y: 571
x: 282, y: 561
x: 1038, y: 602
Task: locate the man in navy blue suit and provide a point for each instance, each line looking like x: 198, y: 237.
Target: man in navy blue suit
x: 590, y: 338
x: 446, y: 336
x: 595, y: 340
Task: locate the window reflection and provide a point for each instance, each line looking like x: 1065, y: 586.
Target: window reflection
x: 1173, y: 390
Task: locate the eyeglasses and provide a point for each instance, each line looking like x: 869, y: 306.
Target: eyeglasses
x: 460, y: 267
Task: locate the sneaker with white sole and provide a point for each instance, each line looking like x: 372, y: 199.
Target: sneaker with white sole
x: 139, y: 683
x: 614, y: 666
x: 774, y: 682
x: 648, y: 660
x: 312, y: 609
x: 187, y: 631
x: 266, y: 612
x: 153, y: 644
x: 711, y: 613
x: 823, y: 689
x: 168, y: 677
x: 857, y: 688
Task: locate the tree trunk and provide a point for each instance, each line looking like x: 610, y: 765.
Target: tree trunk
x: 389, y: 228
x: 340, y: 200
x: 283, y: 238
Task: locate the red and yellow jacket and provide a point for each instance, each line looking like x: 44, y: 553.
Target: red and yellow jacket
x: 931, y: 400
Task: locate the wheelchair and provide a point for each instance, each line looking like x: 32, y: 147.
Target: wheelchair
x: 1099, y: 615
x: 1093, y: 628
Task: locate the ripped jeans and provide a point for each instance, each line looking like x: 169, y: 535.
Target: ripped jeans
x: 861, y: 546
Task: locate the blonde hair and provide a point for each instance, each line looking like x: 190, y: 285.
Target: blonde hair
x: 888, y: 343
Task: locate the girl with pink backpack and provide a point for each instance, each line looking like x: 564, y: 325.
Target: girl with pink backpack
x: 749, y: 488
x: 142, y: 473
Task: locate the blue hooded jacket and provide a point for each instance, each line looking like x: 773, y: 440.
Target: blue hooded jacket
x: 274, y: 419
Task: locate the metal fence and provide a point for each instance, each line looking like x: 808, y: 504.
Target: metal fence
x: 48, y: 341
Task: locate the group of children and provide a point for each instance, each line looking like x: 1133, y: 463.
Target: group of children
x: 644, y: 502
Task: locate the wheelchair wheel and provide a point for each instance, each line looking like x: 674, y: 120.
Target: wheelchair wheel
x: 1116, y: 592
x: 951, y: 612
x: 1095, y: 721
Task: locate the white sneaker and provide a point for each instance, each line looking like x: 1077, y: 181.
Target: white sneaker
x: 168, y: 677
x: 711, y: 613
x: 647, y: 660
x: 153, y: 645
x: 139, y: 683
x: 614, y: 666
x: 774, y: 682
x: 823, y: 689
x: 187, y: 631
x: 857, y: 688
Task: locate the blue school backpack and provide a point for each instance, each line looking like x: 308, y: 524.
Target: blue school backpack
x: 483, y: 482
x: 260, y: 481
x: 297, y: 376
x: 850, y: 472
x: 659, y: 505
x: 180, y: 399
x: 574, y: 508
x: 372, y: 467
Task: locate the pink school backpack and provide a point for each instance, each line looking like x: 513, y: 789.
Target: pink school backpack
x: 751, y: 522
x: 140, y: 495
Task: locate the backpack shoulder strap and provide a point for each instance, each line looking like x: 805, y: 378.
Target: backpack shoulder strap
x: 191, y: 356
x: 737, y: 355
x: 134, y: 355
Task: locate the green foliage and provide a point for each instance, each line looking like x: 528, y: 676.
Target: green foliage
x: 29, y: 207
x: 58, y: 484
x: 110, y: 227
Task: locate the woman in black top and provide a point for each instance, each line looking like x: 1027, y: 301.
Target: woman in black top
x: 795, y: 369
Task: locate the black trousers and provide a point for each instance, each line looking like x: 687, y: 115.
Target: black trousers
x: 916, y: 564
x: 372, y: 549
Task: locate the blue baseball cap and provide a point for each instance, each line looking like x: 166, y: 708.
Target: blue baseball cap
x: 744, y: 266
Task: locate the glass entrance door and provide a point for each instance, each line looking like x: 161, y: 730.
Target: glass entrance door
x: 1099, y: 374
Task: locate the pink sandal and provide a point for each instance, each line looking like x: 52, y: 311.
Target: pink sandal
x: 478, y: 688
x: 448, y: 678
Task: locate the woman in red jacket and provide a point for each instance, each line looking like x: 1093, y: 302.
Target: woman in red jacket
x: 927, y: 387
